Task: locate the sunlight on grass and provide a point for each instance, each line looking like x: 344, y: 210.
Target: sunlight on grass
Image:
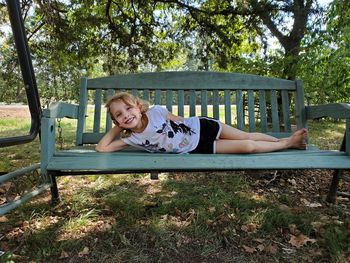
x: 130, y: 218
x: 78, y: 223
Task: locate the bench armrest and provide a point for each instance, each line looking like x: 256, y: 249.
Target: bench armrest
x: 61, y: 110
x: 48, y: 129
x: 333, y: 110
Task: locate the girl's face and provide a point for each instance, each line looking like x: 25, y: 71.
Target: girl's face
x: 126, y: 116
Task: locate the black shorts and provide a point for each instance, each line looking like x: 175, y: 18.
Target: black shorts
x: 210, y: 130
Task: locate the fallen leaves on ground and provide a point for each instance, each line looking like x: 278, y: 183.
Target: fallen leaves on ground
x: 300, y: 240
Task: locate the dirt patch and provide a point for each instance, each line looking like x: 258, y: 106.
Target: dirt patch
x: 14, y: 111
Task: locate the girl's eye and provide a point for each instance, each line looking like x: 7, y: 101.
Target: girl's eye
x: 128, y: 108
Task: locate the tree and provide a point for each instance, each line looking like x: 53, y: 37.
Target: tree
x: 285, y: 20
x: 326, y: 60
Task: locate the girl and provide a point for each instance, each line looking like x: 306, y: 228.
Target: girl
x: 157, y: 130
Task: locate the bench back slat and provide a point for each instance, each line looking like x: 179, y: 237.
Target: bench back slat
x: 97, y: 114
x: 228, y: 103
x: 192, y: 103
x: 180, y: 103
x: 285, y: 110
x: 239, y: 109
x: 204, y: 103
x: 251, y: 111
x: 216, y: 103
x: 248, y: 102
x: 274, y: 112
x: 262, y: 109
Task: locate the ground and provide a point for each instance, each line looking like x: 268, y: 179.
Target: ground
x: 7, y: 111
x: 216, y: 219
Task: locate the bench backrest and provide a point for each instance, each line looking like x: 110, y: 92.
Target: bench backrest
x: 249, y: 102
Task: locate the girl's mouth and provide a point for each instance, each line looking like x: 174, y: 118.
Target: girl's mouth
x: 129, y: 120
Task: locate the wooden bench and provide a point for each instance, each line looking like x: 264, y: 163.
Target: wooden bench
x: 249, y: 102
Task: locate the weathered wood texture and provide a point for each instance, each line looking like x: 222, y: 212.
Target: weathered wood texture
x: 249, y: 102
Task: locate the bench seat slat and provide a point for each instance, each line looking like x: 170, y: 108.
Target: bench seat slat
x: 182, y: 162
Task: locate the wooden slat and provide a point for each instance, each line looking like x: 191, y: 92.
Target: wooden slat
x: 169, y: 100
x: 110, y: 94
x: 300, y: 113
x: 285, y: 110
x: 227, y: 99
x: 216, y: 103
x: 263, y: 112
x: 158, y: 97
x: 188, y: 162
x: 239, y: 109
x: 181, y: 103
x: 192, y: 103
x: 146, y: 95
x: 97, y: 111
x: 251, y: 111
x: 82, y: 111
x: 204, y: 103
x: 274, y: 112
x: 192, y: 80
x: 347, y: 137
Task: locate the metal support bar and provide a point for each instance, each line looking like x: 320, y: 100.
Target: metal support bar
x: 9, y: 176
x: 8, y: 207
x: 14, y: 11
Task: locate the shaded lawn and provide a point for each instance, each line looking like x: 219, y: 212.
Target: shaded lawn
x: 250, y: 216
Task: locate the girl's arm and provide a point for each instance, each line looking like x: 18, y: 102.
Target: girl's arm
x: 108, y: 143
x: 173, y: 117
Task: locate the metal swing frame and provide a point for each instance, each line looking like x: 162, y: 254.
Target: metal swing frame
x: 21, y: 42
x: 28, y: 76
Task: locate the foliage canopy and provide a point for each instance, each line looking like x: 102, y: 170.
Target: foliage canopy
x: 288, y: 39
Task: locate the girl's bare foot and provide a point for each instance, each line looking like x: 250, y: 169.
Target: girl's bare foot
x: 298, y: 140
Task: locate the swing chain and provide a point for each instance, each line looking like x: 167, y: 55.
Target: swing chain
x: 60, y: 137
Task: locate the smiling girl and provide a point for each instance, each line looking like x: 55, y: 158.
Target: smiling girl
x: 155, y: 129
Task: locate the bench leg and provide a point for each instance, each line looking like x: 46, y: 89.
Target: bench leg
x: 55, y: 198
x: 332, y: 194
x: 154, y: 176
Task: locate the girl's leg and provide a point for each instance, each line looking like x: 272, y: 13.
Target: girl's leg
x: 230, y: 133
x: 297, y: 141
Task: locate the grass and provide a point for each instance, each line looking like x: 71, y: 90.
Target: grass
x: 197, y: 217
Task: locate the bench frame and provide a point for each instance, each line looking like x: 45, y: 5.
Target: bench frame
x: 278, y: 111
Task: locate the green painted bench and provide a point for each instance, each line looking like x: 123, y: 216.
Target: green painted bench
x: 249, y: 102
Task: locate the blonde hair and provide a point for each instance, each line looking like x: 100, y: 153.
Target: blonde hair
x: 130, y: 100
